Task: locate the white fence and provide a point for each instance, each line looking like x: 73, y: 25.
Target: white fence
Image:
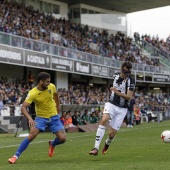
x: 10, y: 111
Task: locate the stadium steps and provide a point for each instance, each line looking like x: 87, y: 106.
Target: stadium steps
x: 7, y: 127
x: 2, y: 130
x: 163, y: 60
x: 149, y: 55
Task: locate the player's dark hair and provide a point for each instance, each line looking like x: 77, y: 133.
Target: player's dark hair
x: 127, y: 64
x: 43, y: 76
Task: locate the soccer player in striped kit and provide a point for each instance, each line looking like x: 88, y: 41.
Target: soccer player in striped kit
x: 116, y: 109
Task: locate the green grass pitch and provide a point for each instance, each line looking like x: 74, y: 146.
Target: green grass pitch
x: 137, y: 148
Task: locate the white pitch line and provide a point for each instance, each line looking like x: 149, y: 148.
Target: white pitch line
x: 122, y: 130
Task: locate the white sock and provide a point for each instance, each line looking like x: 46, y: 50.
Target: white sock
x: 99, y: 136
x: 15, y: 156
x: 108, y: 140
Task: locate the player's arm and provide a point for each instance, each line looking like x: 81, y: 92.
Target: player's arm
x: 56, y: 99
x: 26, y: 114
x: 127, y: 96
x: 130, y: 90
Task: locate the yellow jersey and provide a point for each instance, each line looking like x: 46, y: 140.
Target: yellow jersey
x: 45, y: 105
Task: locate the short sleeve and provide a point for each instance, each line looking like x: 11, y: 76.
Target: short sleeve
x: 29, y: 98
x: 53, y: 88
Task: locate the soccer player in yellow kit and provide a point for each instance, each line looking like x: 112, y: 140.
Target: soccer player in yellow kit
x: 47, y: 103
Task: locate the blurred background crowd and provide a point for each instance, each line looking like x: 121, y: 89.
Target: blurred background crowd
x: 12, y: 92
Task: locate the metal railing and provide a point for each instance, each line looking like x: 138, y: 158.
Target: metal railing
x: 55, y: 50
x: 163, y: 55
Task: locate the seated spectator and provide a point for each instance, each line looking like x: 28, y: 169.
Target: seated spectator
x: 66, y: 121
x: 93, y: 118
x: 70, y: 121
x: 98, y: 115
x: 137, y: 114
x: 63, y: 117
x: 86, y: 117
x: 77, y: 119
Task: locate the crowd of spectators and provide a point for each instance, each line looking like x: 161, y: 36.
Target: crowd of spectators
x: 84, y: 94
x: 81, y: 94
x: 11, y: 92
x: 34, y: 24
x: 159, y: 43
x: 76, y: 118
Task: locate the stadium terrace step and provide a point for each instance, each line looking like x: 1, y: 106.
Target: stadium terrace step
x: 2, y: 130
x: 6, y: 126
x: 146, y: 53
x: 5, y: 122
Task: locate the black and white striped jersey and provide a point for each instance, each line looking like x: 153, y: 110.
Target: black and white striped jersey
x: 122, y: 85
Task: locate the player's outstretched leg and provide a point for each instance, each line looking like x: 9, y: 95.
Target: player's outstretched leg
x: 24, y: 144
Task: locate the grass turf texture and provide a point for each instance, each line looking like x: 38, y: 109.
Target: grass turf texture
x: 137, y: 148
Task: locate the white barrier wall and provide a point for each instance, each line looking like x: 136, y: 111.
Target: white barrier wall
x: 115, y: 22
x: 6, y: 111
x: 61, y: 80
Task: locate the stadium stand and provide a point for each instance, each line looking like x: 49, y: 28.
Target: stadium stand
x: 31, y: 24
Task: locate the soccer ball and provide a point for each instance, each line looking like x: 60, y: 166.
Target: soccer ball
x: 165, y: 136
